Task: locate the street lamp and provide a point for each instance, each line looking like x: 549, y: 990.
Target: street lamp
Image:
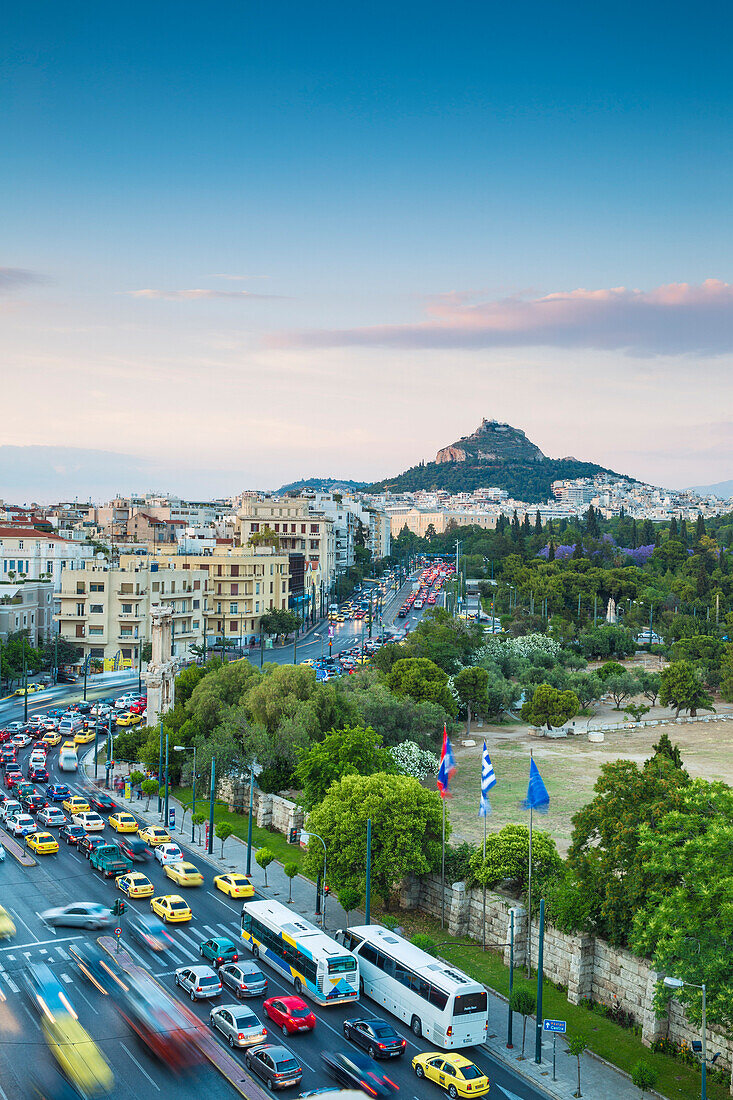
x: 306, y: 836
x: 677, y: 984
x: 254, y: 769
x: 184, y: 748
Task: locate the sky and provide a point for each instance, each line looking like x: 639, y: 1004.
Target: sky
x: 251, y: 242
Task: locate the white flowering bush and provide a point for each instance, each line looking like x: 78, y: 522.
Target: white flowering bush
x: 531, y: 644
x: 454, y: 692
x: 410, y: 759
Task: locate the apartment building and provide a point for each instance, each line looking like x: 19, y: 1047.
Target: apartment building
x: 26, y: 553
x: 303, y: 532
x: 27, y: 606
x: 242, y: 585
x: 106, y: 609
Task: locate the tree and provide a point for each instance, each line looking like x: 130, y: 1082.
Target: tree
x: 682, y: 689
x: 524, y: 1002
x: 264, y: 857
x: 223, y: 830
x: 279, y: 622
x: 471, y: 684
x: 349, y: 898
x: 351, y: 751
x: 621, y: 687
x: 423, y: 681
x: 649, y: 684
x: 198, y: 820
x: 68, y: 653
x: 587, y: 686
x: 550, y: 707
x: 265, y: 537
x: 606, y: 641
x: 406, y: 831
x: 643, y: 1076
x: 136, y: 777
x: 507, y: 858
x: 664, y: 747
x: 577, y: 1044
x: 636, y: 711
x: 291, y: 870
x: 149, y: 787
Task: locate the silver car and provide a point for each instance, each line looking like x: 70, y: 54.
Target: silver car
x: 80, y: 914
x: 244, y: 979
x: 198, y: 981
x: 239, y: 1026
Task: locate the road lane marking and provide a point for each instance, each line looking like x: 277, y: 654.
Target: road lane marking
x: 212, y: 931
x: 67, y: 979
x: 18, y: 917
x: 188, y: 940
x: 143, y: 1071
x: 19, y: 946
x: 30, y: 1015
x: 230, y: 907
x: 11, y: 983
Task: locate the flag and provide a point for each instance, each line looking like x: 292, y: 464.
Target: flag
x: 537, y: 796
x: 488, y: 780
x: 447, y: 768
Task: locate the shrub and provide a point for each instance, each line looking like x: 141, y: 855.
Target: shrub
x: 410, y: 759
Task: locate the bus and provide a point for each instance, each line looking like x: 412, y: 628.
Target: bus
x: 438, y: 1001
x: 300, y: 952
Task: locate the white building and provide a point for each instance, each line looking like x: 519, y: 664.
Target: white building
x: 29, y: 554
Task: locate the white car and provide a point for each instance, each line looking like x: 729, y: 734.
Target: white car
x: 2, y: 854
x: 21, y: 825
x: 238, y: 1025
x: 37, y: 721
x: 20, y: 740
x: 51, y: 815
x: 90, y: 821
x: 168, y: 853
x: 10, y: 809
x: 124, y: 701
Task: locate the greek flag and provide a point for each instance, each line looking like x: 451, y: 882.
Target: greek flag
x: 488, y: 780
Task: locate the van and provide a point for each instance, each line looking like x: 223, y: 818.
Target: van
x: 71, y: 725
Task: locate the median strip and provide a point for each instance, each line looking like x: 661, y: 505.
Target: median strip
x: 16, y: 851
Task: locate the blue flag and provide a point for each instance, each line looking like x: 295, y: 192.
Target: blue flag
x: 537, y: 796
x: 488, y: 780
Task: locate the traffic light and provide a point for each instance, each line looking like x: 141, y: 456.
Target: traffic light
x: 293, y: 836
x: 122, y: 906
x: 116, y: 907
x: 326, y: 891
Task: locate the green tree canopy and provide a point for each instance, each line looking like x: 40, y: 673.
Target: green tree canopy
x: 471, y: 685
x: 681, y: 688
x: 423, y: 681
x: 507, y: 857
x: 355, y: 750
x: 550, y: 707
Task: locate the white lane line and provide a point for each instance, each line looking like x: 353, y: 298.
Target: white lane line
x: 229, y: 907
x: 143, y: 1071
x: 11, y: 984
x: 3, y: 1094
x: 30, y: 1016
x: 212, y: 931
x: 67, y: 979
x: 11, y: 958
x: 18, y: 917
x: 179, y: 958
x: 143, y: 962
x: 188, y: 939
x: 64, y: 954
x: 228, y: 931
x: 84, y: 996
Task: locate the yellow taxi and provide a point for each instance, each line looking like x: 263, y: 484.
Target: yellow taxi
x: 129, y: 719
x: 235, y: 885
x: 123, y: 822
x: 456, y: 1074
x: 51, y: 738
x: 68, y: 745
x: 83, y: 737
x: 184, y: 874
x: 77, y: 1054
x: 171, y: 908
x: 75, y: 804
x: 44, y: 844
x: 340, y: 618
x: 154, y: 835
x: 308, y: 661
x: 7, y: 928
x: 30, y: 690
x: 135, y: 885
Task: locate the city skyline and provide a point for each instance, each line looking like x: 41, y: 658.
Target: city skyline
x: 287, y: 243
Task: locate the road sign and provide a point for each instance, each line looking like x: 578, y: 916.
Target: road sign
x: 171, y: 819
x: 558, y: 1026
x: 118, y: 931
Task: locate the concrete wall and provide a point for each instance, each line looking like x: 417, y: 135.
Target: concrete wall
x: 588, y: 967
x: 270, y: 810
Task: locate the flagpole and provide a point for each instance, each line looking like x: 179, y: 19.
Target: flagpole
x: 483, y: 920
x: 529, y: 892
x: 442, y: 874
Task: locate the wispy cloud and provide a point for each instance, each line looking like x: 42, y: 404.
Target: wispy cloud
x: 13, y: 278
x: 239, y: 278
x: 198, y: 295
x: 676, y: 318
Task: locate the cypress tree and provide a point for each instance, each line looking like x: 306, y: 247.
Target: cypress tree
x: 551, y: 529
x: 647, y: 533
x: 551, y: 551
x: 683, y: 532
x: 578, y: 550
x: 634, y: 537
x: 591, y: 521
x: 538, y: 523
x: 526, y: 529
x: 673, y: 532
x: 699, y: 526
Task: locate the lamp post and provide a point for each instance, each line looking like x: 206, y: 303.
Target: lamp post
x: 254, y: 769
x: 108, y: 763
x: 25, y: 686
x: 679, y: 983
x: 184, y: 748
x: 160, y: 764
x: 306, y: 836
x: 165, y: 813
x: 210, y: 847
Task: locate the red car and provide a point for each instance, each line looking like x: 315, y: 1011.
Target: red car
x: 13, y: 777
x: 291, y: 1014
x: 139, y: 707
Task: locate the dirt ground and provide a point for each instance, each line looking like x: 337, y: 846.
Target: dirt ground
x: 570, y: 766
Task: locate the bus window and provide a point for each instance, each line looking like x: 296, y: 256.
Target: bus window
x: 468, y: 1003
x: 247, y: 922
x: 438, y: 997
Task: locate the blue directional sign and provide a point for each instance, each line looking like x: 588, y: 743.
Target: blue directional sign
x: 171, y: 818
x: 558, y: 1026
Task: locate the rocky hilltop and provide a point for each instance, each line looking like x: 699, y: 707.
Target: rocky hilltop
x: 492, y: 442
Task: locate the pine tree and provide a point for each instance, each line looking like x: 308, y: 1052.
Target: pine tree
x: 563, y: 525
x: 515, y: 526
x: 538, y: 523
x: 647, y: 533
x: 551, y: 529
x: 683, y: 532
x: 634, y: 537
x: 526, y: 528
x: 591, y: 521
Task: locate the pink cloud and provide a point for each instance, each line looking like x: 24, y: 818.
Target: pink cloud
x: 677, y: 318
x: 196, y: 295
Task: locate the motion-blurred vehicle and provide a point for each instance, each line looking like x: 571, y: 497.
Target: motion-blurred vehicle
x: 357, y: 1071
x: 80, y: 914
x: 149, y: 931
x: 7, y: 928
x: 78, y: 1055
x: 134, y: 848
x: 98, y: 967
x: 102, y: 803
x: 160, y: 1023
x: 183, y: 874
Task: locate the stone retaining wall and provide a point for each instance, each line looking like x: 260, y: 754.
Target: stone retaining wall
x: 270, y: 810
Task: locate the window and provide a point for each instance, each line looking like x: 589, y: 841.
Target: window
x: 127, y: 609
x: 49, y: 566
x: 233, y: 609
x: 96, y: 608
x: 233, y: 628
x: 80, y: 610
x: 20, y: 544
x: 438, y: 997
x: 96, y: 587
x: 235, y: 571
x: 125, y: 631
x: 96, y: 630
x: 235, y: 590
x: 468, y: 1003
x: 196, y: 604
x: 369, y: 953
x: 127, y: 654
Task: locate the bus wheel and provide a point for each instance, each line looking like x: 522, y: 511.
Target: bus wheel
x: 361, y: 986
x: 255, y: 951
x: 298, y: 985
x: 416, y: 1026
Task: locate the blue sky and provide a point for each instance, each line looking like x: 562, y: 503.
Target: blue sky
x: 377, y: 209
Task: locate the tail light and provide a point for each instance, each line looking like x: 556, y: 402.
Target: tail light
x: 199, y: 989
x: 382, y: 1046
x: 240, y: 1035
x: 235, y: 958
x: 367, y: 1088
x: 449, y: 1031
x: 394, y: 1086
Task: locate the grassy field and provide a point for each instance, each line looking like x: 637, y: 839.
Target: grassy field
x: 616, y: 1044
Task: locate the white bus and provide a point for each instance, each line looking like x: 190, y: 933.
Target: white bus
x: 302, y: 953
x: 435, y: 999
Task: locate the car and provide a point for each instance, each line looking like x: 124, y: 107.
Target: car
x: 10, y: 808
x: 83, y: 737
x: 239, y: 1027
x: 21, y: 740
x: 149, y: 932
x: 20, y: 824
x: 378, y: 1038
x: 355, y: 1070
x: 33, y: 802
x: 51, y: 816
x: 89, y: 842
x: 276, y: 1065
x: 77, y: 1054
x: 71, y: 833
x: 198, y: 981
x: 234, y: 885
x: 102, y: 803
x: 123, y: 822
x: 90, y: 821
x: 124, y: 701
x: 135, y: 885
x: 98, y: 966
x: 168, y: 853
x: 7, y: 928
x: 51, y: 738
x: 43, y: 844
x: 134, y: 848
x: 31, y: 689
x: 221, y: 950
x: 453, y: 1072
x: 245, y: 979
x: 155, y: 835
x: 183, y: 874
x: 290, y: 1014
x: 171, y: 908
x: 75, y: 804
x: 38, y: 774
x: 13, y: 776
x: 24, y: 788
x: 129, y: 719
x: 79, y: 914
x: 57, y: 792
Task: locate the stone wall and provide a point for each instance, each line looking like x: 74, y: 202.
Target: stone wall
x: 270, y: 810
x: 588, y: 967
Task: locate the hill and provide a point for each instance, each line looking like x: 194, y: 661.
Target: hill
x: 322, y: 485
x: 494, y: 455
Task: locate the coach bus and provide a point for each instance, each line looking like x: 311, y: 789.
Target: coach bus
x: 316, y: 965
x: 436, y: 1000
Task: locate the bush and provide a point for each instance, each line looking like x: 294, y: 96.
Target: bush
x: 410, y: 759
x: 458, y: 862
x: 424, y: 943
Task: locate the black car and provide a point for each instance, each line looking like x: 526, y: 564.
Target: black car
x: 102, y: 803
x: 378, y: 1038
x: 134, y: 848
x: 38, y: 775
x: 89, y: 842
x: 72, y: 834
x: 276, y: 1065
x: 34, y: 802
x: 84, y: 706
x: 355, y: 1071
